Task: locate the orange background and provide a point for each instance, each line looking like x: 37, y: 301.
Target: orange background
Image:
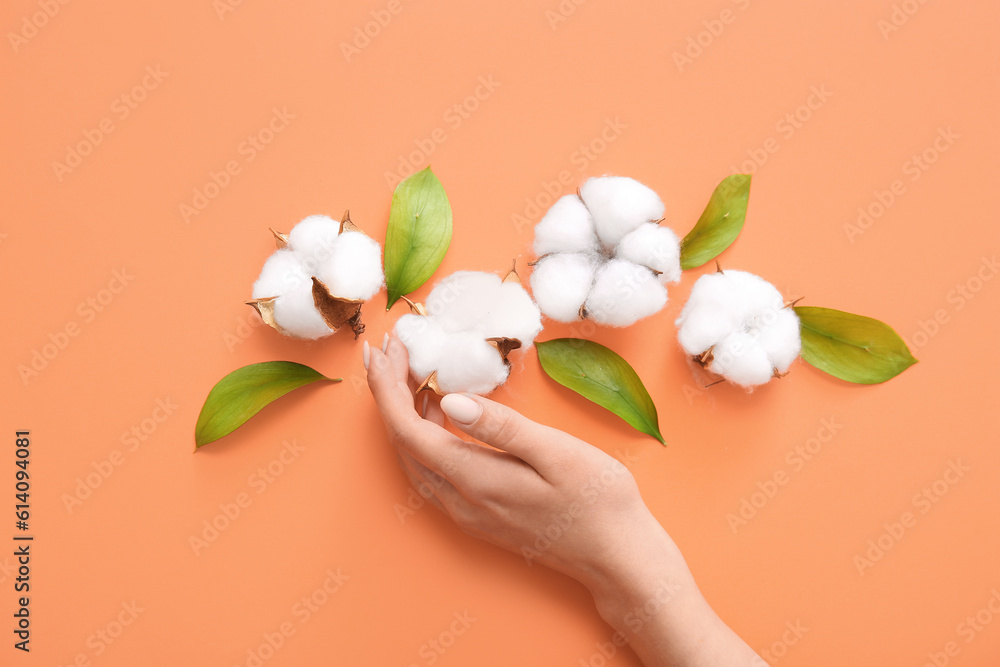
x: 179, y: 324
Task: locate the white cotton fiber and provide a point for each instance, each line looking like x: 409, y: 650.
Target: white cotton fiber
x: 741, y: 360
x: 653, y: 246
x: 294, y: 309
x: 425, y: 341
x: 471, y: 364
x: 624, y: 293
x: 281, y: 272
x: 463, y: 311
x: 458, y: 301
x: 618, y: 205
x: 354, y: 267
x: 479, y: 301
x: 566, y: 227
x: 510, y: 313
x: 741, y: 318
x: 782, y: 340
x: 312, y: 240
x: 561, y: 282
x: 605, y: 250
x: 348, y: 264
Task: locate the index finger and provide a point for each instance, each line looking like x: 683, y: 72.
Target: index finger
x: 429, y: 443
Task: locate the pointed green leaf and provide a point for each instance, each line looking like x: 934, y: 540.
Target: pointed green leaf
x: 418, y: 235
x: 602, y: 376
x: 244, y: 392
x: 852, y: 347
x: 719, y: 224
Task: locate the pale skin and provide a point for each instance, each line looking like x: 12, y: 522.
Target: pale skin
x: 558, y: 501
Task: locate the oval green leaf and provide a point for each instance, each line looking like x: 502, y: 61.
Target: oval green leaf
x: 720, y: 223
x: 244, y: 392
x: 418, y: 234
x: 602, y: 376
x: 852, y: 347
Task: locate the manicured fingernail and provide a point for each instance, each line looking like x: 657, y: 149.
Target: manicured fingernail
x: 461, y: 408
x: 385, y: 342
x: 366, y: 354
x: 423, y: 409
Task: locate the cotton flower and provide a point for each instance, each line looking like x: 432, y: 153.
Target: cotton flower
x: 737, y: 325
x: 603, y: 254
x: 461, y: 339
x: 318, y: 278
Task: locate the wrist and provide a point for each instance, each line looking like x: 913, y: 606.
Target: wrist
x: 644, y: 577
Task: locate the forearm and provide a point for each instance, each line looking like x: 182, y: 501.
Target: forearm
x: 646, y: 592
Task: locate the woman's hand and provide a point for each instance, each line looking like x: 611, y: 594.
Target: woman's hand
x: 553, y: 499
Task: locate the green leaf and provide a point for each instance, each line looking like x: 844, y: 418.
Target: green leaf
x: 244, y: 392
x: 418, y: 235
x: 852, y: 347
x: 720, y: 223
x: 602, y: 376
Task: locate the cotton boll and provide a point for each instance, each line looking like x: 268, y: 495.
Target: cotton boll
x: 653, y: 246
x: 618, y: 205
x: 354, y: 267
x: 470, y: 364
x: 741, y: 360
x: 425, y: 341
x: 294, y: 309
x: 624, y: 293
x: 560, y: 284
x: 741, y: 318
x: 566, y: 227
x: 313, y: 239
x: 510, y: 313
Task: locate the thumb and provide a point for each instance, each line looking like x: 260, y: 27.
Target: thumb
x: 501, y: 427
